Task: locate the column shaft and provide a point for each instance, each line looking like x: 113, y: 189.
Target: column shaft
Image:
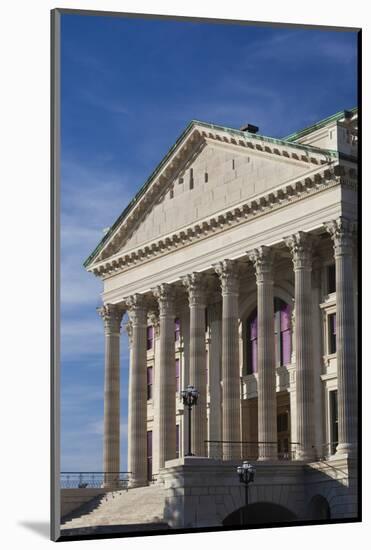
x: 228, y: 273
x: 165, y: 375
x: 341, y: 232
x: 267, y: 401
x: 111, y: 439
x: 137, y: 412
x: 300, y: 245
x: 197, y: 359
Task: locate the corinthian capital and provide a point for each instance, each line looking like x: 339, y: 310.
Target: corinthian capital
x: 342, y: 232
x: 228, y: 271
x: 136, y: 305
x: 300, y: 245
x: 262, y: 258
x: 195, y: 284
x: 165, y: 295
x: 129, y: 330
x: 111, y: 315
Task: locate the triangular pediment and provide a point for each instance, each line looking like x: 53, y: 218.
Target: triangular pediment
x: 207, y: 171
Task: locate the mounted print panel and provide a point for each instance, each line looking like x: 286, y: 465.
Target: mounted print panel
x: 208, y: 195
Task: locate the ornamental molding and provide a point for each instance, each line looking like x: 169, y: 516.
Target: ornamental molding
x: 179, y: 158
x: 256, y: 206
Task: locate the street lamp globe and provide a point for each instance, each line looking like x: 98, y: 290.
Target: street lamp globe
x: 189, y: 397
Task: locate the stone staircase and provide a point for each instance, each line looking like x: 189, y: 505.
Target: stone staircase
x: 143, y: 505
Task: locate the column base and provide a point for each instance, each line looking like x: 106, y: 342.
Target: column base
x: 345, y: 450
x: 133, y: 484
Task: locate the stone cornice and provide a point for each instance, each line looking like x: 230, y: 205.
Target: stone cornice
x: 258, y: 205
x: 195, y: 137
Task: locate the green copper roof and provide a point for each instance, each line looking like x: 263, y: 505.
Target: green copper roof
x: 318, y: 125
x: 233, y: 131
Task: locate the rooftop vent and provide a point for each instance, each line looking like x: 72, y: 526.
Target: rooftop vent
x: 249, y: 128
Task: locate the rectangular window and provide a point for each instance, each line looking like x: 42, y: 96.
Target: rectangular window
x: 331, y: 319
x: 149, y: 337
x: 334, y: 428
x: 191, y: 182
x: 206, y: 177
x: 177, y: 441
x: 331, y: 279
x: 282, y: 422
x: 177, y: 375
x: 149, y: 456
x: 177, y: 330
x: 149, y: 382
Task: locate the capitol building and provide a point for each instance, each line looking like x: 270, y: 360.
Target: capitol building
x: 234, y: 270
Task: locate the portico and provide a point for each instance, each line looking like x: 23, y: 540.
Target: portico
x: 233, y: 295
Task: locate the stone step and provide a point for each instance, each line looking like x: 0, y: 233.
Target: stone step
x: 142, y: 505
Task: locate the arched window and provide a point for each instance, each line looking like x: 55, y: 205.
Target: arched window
x: 282, y: 330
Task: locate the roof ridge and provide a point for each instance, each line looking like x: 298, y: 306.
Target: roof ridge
x: 319, y: 124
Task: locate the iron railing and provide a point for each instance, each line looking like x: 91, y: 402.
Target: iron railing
x: 94, y: 480
x: 249, y: 450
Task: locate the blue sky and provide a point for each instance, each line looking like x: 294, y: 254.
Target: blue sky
x: 129, y: 87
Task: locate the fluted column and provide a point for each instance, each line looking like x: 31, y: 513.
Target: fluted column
x: 195, y: 284
x: 137, y: 411
x: 165, y: 374
x: 228, y: 274
x: 112, y: 315
x: 341, y: 234
x: 300, y: 246
x: 262, y: 259
x: 215, y: 359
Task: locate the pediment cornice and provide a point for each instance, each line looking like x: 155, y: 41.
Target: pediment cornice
x: 195, y: 137
x: 258, y: 205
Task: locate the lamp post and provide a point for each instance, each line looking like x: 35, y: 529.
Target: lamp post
x: 246, y: 474
x: 189, y: 397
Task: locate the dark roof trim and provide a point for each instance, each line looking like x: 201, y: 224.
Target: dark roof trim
x: 320, y: 124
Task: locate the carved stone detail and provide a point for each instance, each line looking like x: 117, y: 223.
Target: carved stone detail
x: 300, y: 245
x: 195, y: 284
x: 165, y: 295
x: 112, y: 316
x: 342, y: 233
x: 262, y: 258
x: 228, y: 271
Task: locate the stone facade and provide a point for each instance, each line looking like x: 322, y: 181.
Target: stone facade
x: 235, y: 266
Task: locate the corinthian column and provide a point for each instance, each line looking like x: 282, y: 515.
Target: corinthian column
x: 112, y: 316
x: 341, y: 234
x: 165, y: 375
x: 228, y: 274
x: 300, y: 245
x: 195, y: 284
x: 262, y: 259
x: 137, y: 411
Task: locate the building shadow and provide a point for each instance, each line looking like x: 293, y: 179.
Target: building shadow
x: 42, y: 528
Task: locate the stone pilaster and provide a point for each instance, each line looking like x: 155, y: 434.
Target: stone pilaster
x: 137, y: 411
x: 195, y: 285
x: 300, y: 246
x: 229, y: 277
x: 112, y: 315
x: 341, y: 231
x: 165, y: 374
x: 262, y: 259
